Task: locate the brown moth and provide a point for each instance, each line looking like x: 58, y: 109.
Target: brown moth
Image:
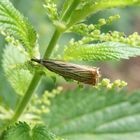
x: 80, y: 73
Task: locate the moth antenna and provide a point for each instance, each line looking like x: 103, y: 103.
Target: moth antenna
x: 36, y: 60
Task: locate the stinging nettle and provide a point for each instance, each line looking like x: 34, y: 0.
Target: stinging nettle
x: 80, y: 73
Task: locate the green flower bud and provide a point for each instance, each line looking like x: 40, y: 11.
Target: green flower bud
x: 91, y: 27
x: 102, y: 22
x: 9, y: 39
x: 96, y: 32
x: 105, y: 82
x: 117, y: 83
x: 123, y: 83
x: 110, y: 86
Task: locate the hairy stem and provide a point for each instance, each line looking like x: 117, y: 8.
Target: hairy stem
x: 52, y: 44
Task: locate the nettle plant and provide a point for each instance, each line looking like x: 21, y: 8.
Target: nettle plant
x: 103, y: 111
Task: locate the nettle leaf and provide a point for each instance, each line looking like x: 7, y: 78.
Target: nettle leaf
x: 13, y: 23
x: 22, y: 131
x: 12, y: 62
x: 95, y: 115
x: 89, y: 7
x: 101, y: 51
x: 42, y: 133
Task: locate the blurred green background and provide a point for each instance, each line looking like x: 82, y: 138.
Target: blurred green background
x: 127, y: 70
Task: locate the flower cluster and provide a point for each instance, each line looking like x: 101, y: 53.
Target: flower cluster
x: 92, y: 33
x: 40, y: 105
x: 84, y: 29
x: 105, y: 83
x: 51, y: 8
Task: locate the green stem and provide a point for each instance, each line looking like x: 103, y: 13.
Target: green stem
x: 52, y: 44
x: 35, y: 80
x: 69, y: 11
x: 27, y: 97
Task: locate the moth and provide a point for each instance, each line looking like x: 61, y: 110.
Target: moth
x: 80, y: 73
